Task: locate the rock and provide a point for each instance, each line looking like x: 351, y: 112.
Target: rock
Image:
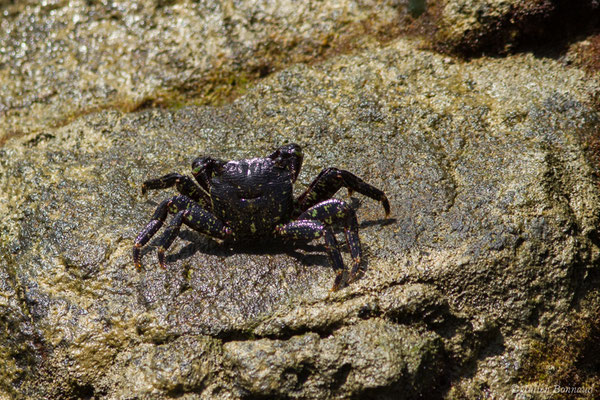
x: 65, y: 59
x: 492, y: 245
x: 474, y: 27
x: 371, y: 358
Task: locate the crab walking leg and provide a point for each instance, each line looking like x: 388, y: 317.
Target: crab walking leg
x: 185, y: 185
x: 186, y: 211
x: 169, y: 235
x: 309, y: 230
x: 330, y: 180
x: 197, y: 219
x: 334, y: 211
x: 150, y: 230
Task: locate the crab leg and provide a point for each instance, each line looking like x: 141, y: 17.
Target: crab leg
x: 186, y: 211
x: 185, y: 185
x: 335, y: 211
x: 316, y: 222
x: 330, y: 180
x: 309, y: 230
x: 159, y: 217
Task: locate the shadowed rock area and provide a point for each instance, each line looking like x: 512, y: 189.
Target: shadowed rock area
x: 475, y: 27
x: 491, y: 247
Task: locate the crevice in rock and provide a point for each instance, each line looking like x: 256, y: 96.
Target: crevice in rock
x: 340, y: 376
x: 545, y: 27
x: 25, y: 343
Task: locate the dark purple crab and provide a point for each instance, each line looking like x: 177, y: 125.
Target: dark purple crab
x: 249, y: 199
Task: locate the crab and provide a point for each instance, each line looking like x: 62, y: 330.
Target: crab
x: 253, y: 199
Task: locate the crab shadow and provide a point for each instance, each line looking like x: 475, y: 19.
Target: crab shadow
x: 306, y: 253
x: 380, y: 222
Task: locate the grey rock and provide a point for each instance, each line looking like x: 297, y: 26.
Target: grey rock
x: 63, y: 59
x: 370, y: 358
x: 492, y: 242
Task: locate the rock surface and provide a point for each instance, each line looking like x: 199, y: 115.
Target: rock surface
x: 491, y: 248
x: 61, y: 59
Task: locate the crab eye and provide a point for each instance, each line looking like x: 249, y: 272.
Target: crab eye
x: 199, y: 164
x: 196, y: 169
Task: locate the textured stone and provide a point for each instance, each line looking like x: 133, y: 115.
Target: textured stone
x: 492, y: 241
x: 61, y: 59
